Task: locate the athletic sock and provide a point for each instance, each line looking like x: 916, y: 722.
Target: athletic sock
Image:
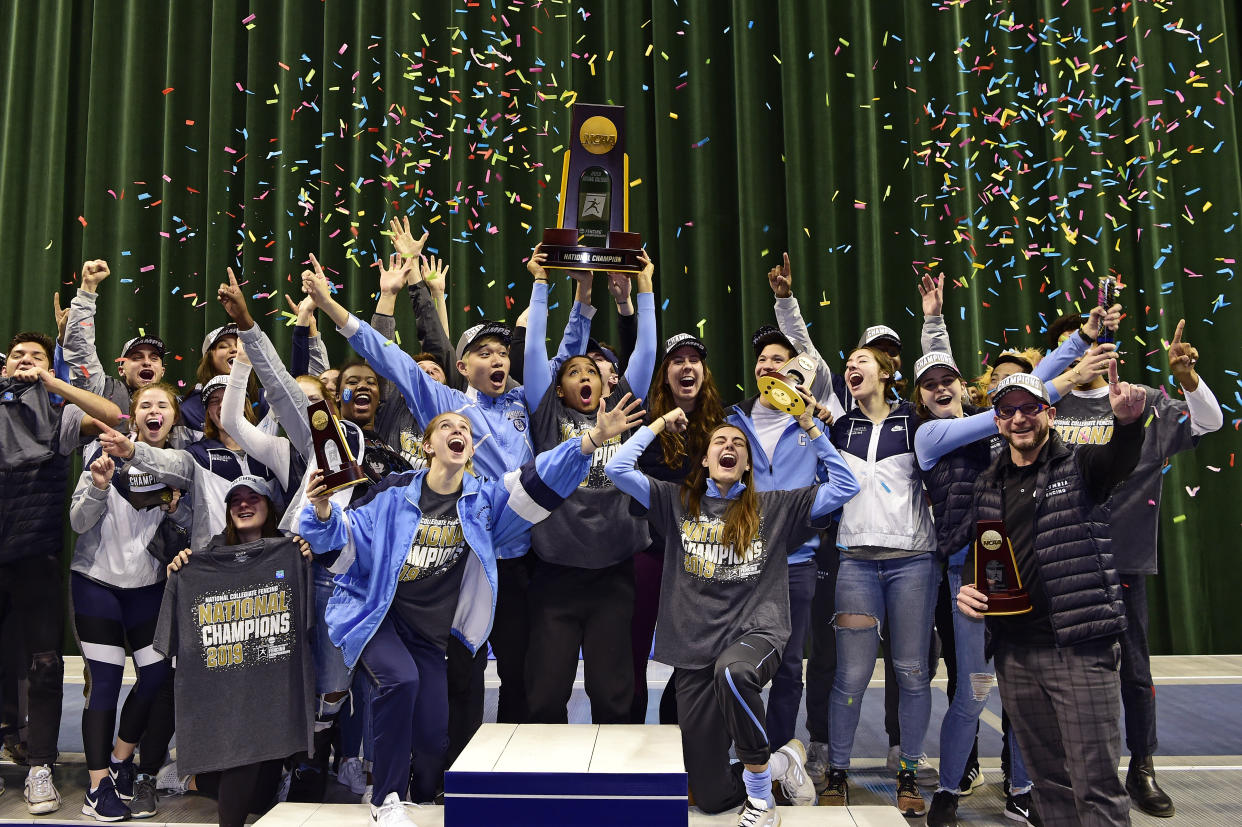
x: 759, y: 786
x: 778, y: 764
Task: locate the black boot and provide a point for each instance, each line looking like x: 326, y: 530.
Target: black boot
x: 1144, y: 791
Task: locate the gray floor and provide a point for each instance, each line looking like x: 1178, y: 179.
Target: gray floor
x: 1200, y: 764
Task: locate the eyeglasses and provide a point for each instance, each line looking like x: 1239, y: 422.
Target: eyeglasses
x: 1029, y: 409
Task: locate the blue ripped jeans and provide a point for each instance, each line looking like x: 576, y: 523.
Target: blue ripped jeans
x: 903, y: 589
x: 975, y: 679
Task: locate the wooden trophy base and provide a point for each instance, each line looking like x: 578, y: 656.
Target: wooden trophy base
x: 1012, y: 602
x: 565, y: 253
x: 347, y: 476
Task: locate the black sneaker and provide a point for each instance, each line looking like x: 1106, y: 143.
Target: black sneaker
x: 122, y: 775
x: 145, y: 801
x: 307, y: 784
x: 909, y: 799
x: 103, y: 804
x: 836, y: 792
x: 1020, y: 808
x: 973, y: 777
x: 943, y: 810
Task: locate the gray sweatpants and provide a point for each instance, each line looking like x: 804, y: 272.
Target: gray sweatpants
x: 1065, y: 706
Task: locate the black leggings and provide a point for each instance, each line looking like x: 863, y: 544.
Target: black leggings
x: 239, y: 791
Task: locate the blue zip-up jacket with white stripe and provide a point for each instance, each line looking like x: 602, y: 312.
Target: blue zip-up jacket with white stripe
x: 798, y: 468
x: 374, y: 539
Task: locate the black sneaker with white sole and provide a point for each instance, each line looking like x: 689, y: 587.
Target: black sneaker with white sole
x: 1020, y: 808
x: 146, y: 801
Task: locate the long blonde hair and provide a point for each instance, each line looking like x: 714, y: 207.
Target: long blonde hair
x: 741, y: 520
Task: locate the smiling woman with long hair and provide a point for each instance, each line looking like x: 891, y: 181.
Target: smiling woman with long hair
x: 682, y: 381
x: 725, y: 603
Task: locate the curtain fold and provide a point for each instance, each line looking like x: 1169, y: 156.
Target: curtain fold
x: 1021, y: 150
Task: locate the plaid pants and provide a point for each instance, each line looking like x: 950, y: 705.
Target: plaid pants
x: 1065, y: 706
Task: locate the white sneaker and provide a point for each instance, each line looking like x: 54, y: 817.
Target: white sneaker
x: 392, y: 813
x: 795, y: 783
x: 926, y: 775
x: 352, y: 776
x: 40, y: 792
x: 758, y: 814
x: 169, y: 782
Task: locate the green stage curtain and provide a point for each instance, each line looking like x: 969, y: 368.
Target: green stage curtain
x: 1022, y: 149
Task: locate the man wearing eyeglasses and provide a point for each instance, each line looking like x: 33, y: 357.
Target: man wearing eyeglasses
x: 1058, y: 663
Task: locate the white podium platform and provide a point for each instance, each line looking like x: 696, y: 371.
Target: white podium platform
x: 575, y: 774
x: 568, y: 774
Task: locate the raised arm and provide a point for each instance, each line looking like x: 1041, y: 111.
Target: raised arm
x: 789, y: 320
x: 642, y: 363
x: 1205, y: 412
x: 578, y: 325
x: 85, y: 369
x: 326, y: 526
x: 433, y: 336
x: 269, y: 449
x: 622, y: 469
x: 619, y: 287
x: 537, y: 374
x: 424, y: 396
x: 934, y: 336
x: 391, y: 281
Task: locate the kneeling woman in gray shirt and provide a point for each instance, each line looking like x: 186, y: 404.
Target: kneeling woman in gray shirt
x: 724, y: 604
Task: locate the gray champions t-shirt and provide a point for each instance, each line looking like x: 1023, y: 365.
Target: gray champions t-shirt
x: 710, y: 595
x: 593, y: 528
x: 1134, y: 507
x: 236, y: 618
x: 429, y: 582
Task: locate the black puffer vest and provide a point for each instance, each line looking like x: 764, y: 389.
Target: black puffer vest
x: 1071, y: 544
x: 951, y: 487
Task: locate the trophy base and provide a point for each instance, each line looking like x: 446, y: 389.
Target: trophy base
x: 344, y: 478
x: 565, y: 253
x: 1012, y: 602
x: 777, y: 389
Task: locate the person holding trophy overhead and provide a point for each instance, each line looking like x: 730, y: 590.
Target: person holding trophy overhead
x: 1058, y: 663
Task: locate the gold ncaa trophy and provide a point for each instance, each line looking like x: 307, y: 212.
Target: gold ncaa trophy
x: 996, y: 571
x: 340, y: 470
x: 593, y: 220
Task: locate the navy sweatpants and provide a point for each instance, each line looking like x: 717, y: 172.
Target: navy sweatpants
x: 409, y: 710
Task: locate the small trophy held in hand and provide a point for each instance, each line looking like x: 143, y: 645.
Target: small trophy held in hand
x: 996, y: 571
x: 340, y: 470
x: 781, y: 388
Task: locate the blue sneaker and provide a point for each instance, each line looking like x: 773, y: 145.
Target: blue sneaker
x: 122, y: 775
x: 103, y: 804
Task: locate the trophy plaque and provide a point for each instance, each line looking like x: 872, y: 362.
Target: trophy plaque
x: 331, y: 451
x: 593, y: 221
x: 996, y: 571
x: 779, y: 388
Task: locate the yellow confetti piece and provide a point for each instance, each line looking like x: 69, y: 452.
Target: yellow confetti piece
x: 673, y: 115
x: 1180, y: 518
